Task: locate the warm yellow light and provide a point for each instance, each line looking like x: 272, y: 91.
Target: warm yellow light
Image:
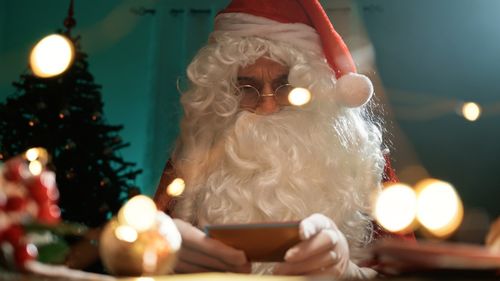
x: 299, y: 96
x: 145, y: 279
x: 149, y: 260
x: 51, y: 56
x: 35, y: 167
x: 126, y: 233
x: 439, y: 208
x: 395, y: 208
x: 32, y: 154
x: 471, y: 111
x: 176, y: 187
x: 36, y: 153
x: 139, y: 213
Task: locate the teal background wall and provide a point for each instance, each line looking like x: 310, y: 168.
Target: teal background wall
x: 136, y: 57
x: 429, y: 54
x: 433, y: 55
x: 119, y: 47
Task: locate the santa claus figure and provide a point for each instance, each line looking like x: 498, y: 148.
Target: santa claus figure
x: 248, y: 155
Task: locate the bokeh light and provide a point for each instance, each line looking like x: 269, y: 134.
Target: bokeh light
x: 149, y: 260
x: 126, y: 233
x: 439, y: 208
x: 35, y: 167
x: 176, y: 187
x: 139, y: 213
x: 37, y: 153
x: 395, y: 208
x: 32, y: 154
x: 299, y: 96
x: 471, y: 111
x: 51, y: 56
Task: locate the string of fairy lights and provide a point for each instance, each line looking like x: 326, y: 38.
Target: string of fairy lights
x: 422, y: 107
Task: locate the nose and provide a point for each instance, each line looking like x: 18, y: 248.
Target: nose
x: 268, y: 104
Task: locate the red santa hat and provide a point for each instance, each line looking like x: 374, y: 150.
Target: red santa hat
x: 304, y: 24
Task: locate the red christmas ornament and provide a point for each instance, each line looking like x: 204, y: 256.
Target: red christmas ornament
x: 43, y: 187
x: 49, y: 213
x: 15, y: 169
x: 13, y: 234
x: 16, y: 204
x: 23, y: 253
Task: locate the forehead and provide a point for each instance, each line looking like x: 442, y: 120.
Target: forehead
x: 263, y: 64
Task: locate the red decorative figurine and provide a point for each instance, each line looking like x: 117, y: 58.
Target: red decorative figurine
x: 28, y: 193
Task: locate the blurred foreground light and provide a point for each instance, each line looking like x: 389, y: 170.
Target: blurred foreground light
x: 32, y: 154
x: 35, y: 167
x: 299, y: 96
x: 149, y: 260
x: 126, y: 233
x: 51, y: 56
x: 176, y: 187
x: 138, y: 213
x: 145, y: 279
x: 395, y: 208
x: 37, y: 153
x: 439, y: 208
x: 471, y: 111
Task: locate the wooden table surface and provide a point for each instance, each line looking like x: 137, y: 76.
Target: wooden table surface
x: 8, y: 276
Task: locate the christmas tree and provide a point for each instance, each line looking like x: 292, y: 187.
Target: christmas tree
x: 64, y: 115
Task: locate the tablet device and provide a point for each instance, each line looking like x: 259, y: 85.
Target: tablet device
x: 261, y: 242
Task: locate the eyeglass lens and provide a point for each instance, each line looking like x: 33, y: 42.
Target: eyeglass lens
x: 250, y: 95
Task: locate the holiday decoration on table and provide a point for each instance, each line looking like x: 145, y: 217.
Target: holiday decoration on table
x: 60, y: 108
x: 28, y: 193
x: 140, y: 241
x: 30, y: 218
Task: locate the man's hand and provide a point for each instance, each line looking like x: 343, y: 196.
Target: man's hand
x: 324, y: 250
x: 200, y: 253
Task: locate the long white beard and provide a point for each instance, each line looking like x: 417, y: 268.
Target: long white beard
x: 286, y: 166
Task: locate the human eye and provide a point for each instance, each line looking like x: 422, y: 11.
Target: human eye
x: 280, y: 81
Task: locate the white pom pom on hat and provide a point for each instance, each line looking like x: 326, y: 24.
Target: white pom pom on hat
x: 353, y: 89
x: 302, y: 23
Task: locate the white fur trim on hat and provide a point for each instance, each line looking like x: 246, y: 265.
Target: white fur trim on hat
x: 242, y: 25
x: 353, y: 90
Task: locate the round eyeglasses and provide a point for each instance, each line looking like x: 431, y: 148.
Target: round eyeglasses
x: 251, y: 96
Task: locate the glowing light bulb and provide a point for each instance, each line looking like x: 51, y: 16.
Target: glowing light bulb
x: 32, y: 154
x: 126, y: 233
x: 139, y: 213
x: 299, y: 96
x: 51, y: 56
x: 395, y: 208
x: 35, y: 167
x: 37, y: 153
x: 471, y: 111
x: 176, y: 187
x: 439, y: 208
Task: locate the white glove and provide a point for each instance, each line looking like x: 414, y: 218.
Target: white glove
x: 324, y: 250
x: 200, y: 253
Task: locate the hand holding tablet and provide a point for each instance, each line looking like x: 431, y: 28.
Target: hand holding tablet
x: 261, y: 242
